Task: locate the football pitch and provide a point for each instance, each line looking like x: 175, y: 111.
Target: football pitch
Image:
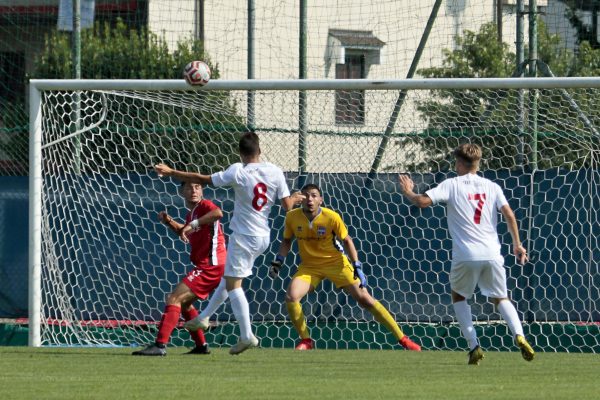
x: 112, y: 373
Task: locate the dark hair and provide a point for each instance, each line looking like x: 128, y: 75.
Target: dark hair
x: 310, y: 186
x: 469, y: 153
x: 184, y: 182
x: 249, y: 144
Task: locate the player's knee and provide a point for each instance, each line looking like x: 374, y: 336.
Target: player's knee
x: 457, y: 297
x: 366, y: 303
x: 187, y: 305
x: 365, y: 300
x: 291, y: 298
x: 497, y: 301
x: 173, y: 300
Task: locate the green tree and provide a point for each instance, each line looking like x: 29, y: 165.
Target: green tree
x: 489, y: 117
x: 147, y: 127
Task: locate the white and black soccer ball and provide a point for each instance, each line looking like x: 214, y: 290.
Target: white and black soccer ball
x: 196, y: 73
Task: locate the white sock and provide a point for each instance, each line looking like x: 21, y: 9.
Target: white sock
x: 509, y: 313
x: 241, y: 310
x: 463, y: 314
x: 218, y: 297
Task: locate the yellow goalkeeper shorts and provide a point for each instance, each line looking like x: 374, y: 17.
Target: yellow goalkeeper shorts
x: 341, y: 274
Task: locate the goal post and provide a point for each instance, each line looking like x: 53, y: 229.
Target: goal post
x: 100, y: 264
x: 35, y: 210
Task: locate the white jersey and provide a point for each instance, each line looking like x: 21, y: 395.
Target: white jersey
x: 472, y: 209
x: 256, y: 187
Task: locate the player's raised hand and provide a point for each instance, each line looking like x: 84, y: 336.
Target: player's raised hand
x: 276, y: 266
x: 184, y: 232
x: 406, y: 183
x: 297, y: 198
x: 521, y: 254
x: 163, y: 217
x: 359, y: 274
x: 163, y: 169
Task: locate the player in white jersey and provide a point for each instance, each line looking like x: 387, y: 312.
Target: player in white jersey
x: 256, y: 185
x: 472, y: 204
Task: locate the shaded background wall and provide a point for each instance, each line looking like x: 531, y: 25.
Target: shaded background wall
x: 14, y: 198
x: 406, y: 251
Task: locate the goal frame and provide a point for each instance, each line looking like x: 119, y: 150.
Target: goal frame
x: 36, y: 86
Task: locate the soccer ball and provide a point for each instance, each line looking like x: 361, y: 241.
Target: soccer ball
x: 196, y: 73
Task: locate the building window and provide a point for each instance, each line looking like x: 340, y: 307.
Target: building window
x: 350, y: 104
x: 352, y: 52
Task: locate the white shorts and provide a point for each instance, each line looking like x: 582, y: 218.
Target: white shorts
x: 489, y: 275
x: 242, y: 251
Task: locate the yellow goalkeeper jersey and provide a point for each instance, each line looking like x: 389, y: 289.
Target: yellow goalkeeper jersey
x: 317, y: 239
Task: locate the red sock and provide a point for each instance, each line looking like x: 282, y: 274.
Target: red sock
x: 198, y: 336
x: 168, y: 322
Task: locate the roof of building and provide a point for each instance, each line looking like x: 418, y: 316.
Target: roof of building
x: 359, y: 39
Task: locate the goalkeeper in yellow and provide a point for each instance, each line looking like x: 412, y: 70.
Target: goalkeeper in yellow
x: 318, y: 230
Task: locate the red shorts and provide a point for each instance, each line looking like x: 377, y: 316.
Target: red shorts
x: 203, y: 280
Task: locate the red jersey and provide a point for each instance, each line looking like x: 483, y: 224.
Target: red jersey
x: 208, y: 241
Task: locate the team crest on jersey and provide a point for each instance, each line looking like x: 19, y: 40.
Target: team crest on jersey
x: 321, y: 230
x: 299, y: 228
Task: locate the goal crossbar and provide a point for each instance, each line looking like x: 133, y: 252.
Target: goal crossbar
x: 319, y: 84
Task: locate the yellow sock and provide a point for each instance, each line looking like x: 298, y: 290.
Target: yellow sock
x: 297, y: 317
x: 385, y: 318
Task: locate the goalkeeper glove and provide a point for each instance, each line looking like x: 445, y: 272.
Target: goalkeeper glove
x: 359, y: 274
x: 276, y: 266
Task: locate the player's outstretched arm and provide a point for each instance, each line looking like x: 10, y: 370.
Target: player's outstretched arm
x: 170, y: 222
x: 353, y: 256
x: 511, y: 221
x: 276, y: 264
x: 193, y: 177
x: 350, y: 248
x: 294, y: 199
x: 406, y: 186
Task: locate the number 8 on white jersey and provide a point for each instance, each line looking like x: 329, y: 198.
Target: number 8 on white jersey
x: 256, y: 187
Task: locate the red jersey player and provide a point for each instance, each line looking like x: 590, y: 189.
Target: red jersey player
x: 204, y: 232
x: 257, y: 185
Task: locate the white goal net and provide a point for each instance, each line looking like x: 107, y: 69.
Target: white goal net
x: 102, y: 264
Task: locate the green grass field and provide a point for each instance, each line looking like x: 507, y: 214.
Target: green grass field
x: 86, y: 373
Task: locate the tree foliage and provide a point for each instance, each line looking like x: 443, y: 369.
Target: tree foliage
x: 147, y: 127
x: 115, y: 51
x: 490, y: 117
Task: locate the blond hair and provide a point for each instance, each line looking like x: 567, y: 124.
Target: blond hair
x: 469, y: 153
